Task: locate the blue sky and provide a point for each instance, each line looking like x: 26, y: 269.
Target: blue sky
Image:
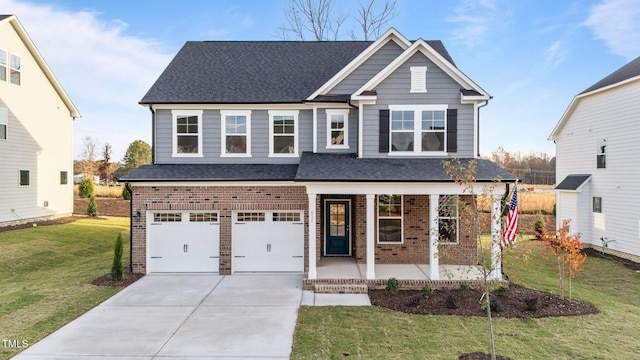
x: 532, y: 56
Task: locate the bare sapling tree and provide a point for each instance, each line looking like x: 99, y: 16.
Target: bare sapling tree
x: 89, y: 154
x: 470, y: 224
x: 371, y: 21
x: 322, y: 20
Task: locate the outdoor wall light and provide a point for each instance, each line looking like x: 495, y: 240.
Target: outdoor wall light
x: 136, y: 216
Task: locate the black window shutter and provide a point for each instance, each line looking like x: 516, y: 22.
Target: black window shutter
x: 384, y: 131
x: 452, y: 130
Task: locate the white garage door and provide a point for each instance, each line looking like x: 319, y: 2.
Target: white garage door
x: 268, y: 241
x: 183, y: 241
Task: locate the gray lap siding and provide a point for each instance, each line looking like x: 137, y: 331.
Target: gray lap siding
x: 222, y: 199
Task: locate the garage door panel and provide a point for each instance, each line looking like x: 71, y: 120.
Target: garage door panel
x: 268, y: 241
x: 180, y: 242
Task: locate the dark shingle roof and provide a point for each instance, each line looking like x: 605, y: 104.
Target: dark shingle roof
x: 2, y: 17
x: 573, y: 181
x: 212, y: 172
x: 347, y: 167
x: 626, y: 72
x: 254, y: 71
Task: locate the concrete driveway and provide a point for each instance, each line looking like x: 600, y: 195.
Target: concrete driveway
x: 184, y: 317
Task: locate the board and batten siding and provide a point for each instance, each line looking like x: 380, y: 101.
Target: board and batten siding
x: 441, y: 90
x: 368, y: 69
x: 39, y: 139
x: 212, y: 144
x: 610, y: 115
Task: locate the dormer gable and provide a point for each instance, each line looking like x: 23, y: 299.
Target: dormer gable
x: 470, y: 91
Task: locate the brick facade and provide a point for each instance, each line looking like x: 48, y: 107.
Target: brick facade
x: 224, y: 199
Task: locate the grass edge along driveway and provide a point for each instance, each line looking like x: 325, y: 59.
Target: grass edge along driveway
x: 376, y: 333
x: 47, y: 273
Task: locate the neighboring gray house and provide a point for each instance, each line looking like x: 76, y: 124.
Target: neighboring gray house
x: 296, y: 156
x: 598, y: 163
x: 36, y: 132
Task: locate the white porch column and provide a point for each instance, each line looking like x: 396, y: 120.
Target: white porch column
x: 371, y: 238
x: 496, y: 225
x: 434, y: 261
x: 313, y: 274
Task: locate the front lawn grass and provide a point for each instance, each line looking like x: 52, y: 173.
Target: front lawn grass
x: 375, y: 333
x: 46, y: 275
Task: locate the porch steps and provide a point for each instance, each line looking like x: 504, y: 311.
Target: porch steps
x: 341, y: 288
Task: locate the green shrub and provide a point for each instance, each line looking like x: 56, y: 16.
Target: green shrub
x: 125, y: 193
x: 393, y: 285
x: 539, y: 225
x: 427, y: 290
x: 466, y: 288
x: 92, y: 208
x: 503, y: 290
x: 451, y: 301
x: 116, y: 268
x: 85, y: 189
x: 415, y: 300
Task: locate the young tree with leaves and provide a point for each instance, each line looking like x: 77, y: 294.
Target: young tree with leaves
x: 567, y: 248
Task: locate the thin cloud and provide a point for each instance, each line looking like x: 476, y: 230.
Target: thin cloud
x: 555, y: 54
x: 476, y: 18
x: 617, y: 23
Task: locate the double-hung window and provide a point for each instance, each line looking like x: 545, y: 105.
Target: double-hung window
x: 3, y: 65
x: 283, y: 133
x: 418, y: 129
x: 24, y: 178
x: 448, y: 219
x: 601, y: 154
x: 236, y: 133
x: 14, y: 68
x: 390, y: 219
x: 187, y: 133
x: 337, y: 128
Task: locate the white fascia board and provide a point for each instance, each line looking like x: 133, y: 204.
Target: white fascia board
x: 365, y: 98
x: 473, y: 99
x: 431, y: 54
x: 22, y: 33
x: 391, y: 35
x: 404, y: 188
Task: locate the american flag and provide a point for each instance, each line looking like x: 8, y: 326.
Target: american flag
x: 511, y: 226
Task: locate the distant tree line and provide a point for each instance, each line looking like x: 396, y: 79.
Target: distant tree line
x: 532, y: 168
x: 138, y: 153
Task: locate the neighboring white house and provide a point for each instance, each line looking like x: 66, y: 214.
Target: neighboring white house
x: 36, y: 129
x: 598, y: 163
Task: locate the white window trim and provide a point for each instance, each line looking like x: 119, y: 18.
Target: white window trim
x: 390, y: 217
x: 296, y: 127
x: 175, y: 114
x: 457, y: 218
x: 20, y: 185
x: 4, y: 120
x: 223, y: 132
x: 12, y: 69
x: 418, y: 79
x: 417, y: 129
x: 6, y: 66
x: 345, y: 114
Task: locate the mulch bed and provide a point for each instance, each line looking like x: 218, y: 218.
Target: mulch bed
x: 520, y: 302
x: 128, y: 278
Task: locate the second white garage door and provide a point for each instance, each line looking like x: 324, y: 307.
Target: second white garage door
x: 268, y: 241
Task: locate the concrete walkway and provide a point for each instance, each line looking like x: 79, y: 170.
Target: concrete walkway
x: 174, y: 317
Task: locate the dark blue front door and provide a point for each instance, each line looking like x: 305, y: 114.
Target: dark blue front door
x: 337, y: 227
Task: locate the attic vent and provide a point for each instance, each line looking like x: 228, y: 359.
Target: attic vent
x: 418, y: 79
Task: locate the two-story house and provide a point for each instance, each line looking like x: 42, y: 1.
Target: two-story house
x: 36, y: 132
x: 288, y: 156
x: 598, y: 163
